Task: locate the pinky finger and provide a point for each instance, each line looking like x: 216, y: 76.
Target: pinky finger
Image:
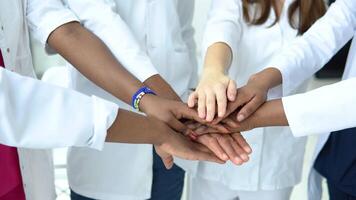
x: 192, y: 99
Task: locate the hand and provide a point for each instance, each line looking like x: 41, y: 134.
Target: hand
x: 215, y: 88
x: 171, y: 112
x: 227, y: 147
x: 175, y: 144
x: 271, y: 113
x: 249, y: 98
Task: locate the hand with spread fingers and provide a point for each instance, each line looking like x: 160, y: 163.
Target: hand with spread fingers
x: 215, y: 88
x: 230, y: 146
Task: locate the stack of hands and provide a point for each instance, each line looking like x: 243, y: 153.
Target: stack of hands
x: 210, y: 125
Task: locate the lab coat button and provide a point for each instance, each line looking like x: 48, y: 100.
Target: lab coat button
x: 8, y: 50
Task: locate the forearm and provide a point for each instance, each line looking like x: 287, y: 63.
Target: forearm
x: 94, y: 60
x: 269, y: 114
x: 267, y: 78
x: 218, y: 58
x: 161, y: 87
x: 134, y: 128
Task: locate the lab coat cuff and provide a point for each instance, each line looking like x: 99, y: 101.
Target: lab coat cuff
x: 295, y: 115
x: 104, y: 115
x: 221, y: 33
x: 282, y: 65
x: 50, y: 23
x: 146, y: 70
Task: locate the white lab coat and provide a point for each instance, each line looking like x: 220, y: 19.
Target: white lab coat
x: 147, y: 37
x: 269, y: 168
x: 37, y: 115
x: 329, y: 108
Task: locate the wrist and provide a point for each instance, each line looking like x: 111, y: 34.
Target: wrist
x: 146, y: 102
x: 214, y: 70
x: 270, y: 113
x: 267, y: 78
x: 161, y: 87
x: 138, y: 96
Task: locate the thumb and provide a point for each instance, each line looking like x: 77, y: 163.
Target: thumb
x: 192, y: 99
x: 166, y: 158
x: 233, y: 106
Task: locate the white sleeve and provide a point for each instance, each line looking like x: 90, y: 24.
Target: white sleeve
x: 99, y: 17
x: 323, y: 110
x: 45, y: 16
x: 315, y: 48
x: 39, y: 115
x: 223, y: 25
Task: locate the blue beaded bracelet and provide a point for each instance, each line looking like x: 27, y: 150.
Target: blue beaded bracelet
x: 136, y: 98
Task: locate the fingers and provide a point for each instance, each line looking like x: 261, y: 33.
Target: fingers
x: 200, y: 153
x: 210, y: 105
x: 178, y: 126
x: 241, y: 99
x: 249, y: 108
x: 201, y: 105
x: 168, y: 162
x: 239, y: 151
x: 192, y: 99
x: 226, y: 144
x: 188, y: 113
x: 242, y: 142
x: 231, y: 123
x: 231, y: 90
x: 193, y: 125
x: 212, y: 143
x: 219, y: 128
x: 221, y: 101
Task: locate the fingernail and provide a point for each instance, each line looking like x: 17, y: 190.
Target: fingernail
x: 238, y: 160
x: 221, y: 114
x: 248, y: 150
x: 244, y: 157
x: 225, y: 157
x: 240, y: 118
x: 193, y: 137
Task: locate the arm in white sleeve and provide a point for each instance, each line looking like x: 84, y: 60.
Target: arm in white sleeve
x: 323, y: 110
x: 316, y: 47
x: 45, y: 16
x: 39, y: 115
x: 223, y: 24
x: 98, y: 17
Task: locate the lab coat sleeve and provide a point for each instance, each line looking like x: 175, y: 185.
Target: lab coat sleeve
x: 98, y: 16
x: 323, y: 110
x: 316, y: 47
x: 223, y: 24
x: 44, y: 16
x: 38, y: 115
